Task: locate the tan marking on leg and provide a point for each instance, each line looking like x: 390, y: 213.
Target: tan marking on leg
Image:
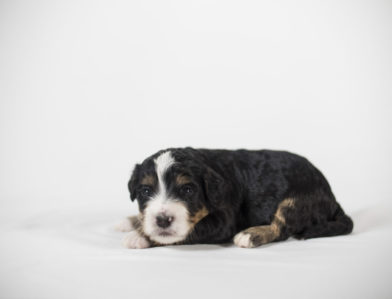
x: 263, y: 234
x: 182, y: 180
x: 129, y: 224
x: 148, y: 180
x: 135, y: 221
x: 284, y: 205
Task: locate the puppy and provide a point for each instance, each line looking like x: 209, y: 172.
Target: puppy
x: 192, y: 196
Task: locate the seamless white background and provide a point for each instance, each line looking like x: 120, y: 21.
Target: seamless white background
x: 89, y: 88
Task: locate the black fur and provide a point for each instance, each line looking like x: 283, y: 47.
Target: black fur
x: 243, y: 189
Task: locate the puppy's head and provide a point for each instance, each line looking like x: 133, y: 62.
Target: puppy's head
x: 172, y: 194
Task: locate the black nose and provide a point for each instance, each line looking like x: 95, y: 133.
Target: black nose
x: 164, y: 221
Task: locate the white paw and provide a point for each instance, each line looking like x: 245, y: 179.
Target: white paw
x: 135, y: 240
x: 243, y: 240
x: 124, y: 226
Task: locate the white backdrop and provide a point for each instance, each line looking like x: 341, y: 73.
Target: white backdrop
x: 89, y: 88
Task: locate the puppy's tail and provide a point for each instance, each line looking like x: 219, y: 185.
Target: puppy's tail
x: 341, y: 224
x: 338, y: 224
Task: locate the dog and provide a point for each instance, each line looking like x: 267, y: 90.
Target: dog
x: 204, y: 196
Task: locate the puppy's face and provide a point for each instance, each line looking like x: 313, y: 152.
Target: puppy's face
x: 170, y: 197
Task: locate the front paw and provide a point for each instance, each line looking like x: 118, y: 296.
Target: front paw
x: 124, y: 226
x: 135, y: 240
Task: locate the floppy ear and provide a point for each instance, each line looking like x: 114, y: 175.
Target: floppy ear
x: 132, y: 184
x: 216, y: 188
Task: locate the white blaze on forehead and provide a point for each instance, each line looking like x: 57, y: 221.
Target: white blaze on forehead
x: 162, y: 164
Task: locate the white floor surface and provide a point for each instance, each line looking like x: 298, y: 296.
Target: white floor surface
x: 73, y: 252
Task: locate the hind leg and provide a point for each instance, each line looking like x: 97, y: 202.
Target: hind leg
x: 258, y: 235
x: 340, y: 224
x: 318, y: 231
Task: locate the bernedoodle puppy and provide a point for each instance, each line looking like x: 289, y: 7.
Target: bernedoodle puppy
x: 201, y: 196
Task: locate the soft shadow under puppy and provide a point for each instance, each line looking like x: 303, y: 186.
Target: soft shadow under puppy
x: 201, y: 247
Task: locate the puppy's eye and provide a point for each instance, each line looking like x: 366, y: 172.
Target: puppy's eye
x: 146, y: 191
x: 187, y: 190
